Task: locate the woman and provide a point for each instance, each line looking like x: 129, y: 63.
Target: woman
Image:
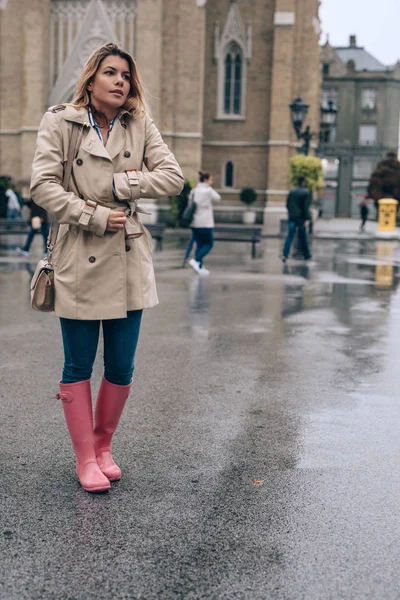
x: 203, y: 221
x: 103, y: 255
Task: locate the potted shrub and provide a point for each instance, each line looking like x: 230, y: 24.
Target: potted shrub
x: 248, y: 196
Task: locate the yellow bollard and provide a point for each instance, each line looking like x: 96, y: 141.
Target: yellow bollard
x: 384, y: 272
x: 387, y: 216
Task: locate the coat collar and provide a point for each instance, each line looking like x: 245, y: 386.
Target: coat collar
x: 80, y: 115
x: 91, y: 142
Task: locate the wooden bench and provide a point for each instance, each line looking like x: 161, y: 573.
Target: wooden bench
x: 239, y: 233
x: 20, y: 226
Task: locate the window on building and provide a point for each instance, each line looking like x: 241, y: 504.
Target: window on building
x: 233, y: 70
x: 363, y: 167
x: 367, y: 135
x: 369, y: 99
x: 229, y: 174
x: 329, y: 94
x: 326, y: 68
x: 330, y: 168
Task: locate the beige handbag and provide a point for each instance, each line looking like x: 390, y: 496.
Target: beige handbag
x: 42, y: 284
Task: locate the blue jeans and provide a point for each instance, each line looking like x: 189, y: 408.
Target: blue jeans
x: 80, y: 339
x: 204, y: 238
x: 44, y: 230
x: 189, y: 248
x: 293, y: 225
x: 14, y: 213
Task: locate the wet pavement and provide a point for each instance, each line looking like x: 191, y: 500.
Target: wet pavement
x: 259, y: 449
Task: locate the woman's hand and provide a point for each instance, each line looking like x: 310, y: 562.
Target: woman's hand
x: 116, y: 221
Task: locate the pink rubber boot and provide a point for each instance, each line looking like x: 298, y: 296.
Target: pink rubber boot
x: 109, y: 406
x: 77, y: 404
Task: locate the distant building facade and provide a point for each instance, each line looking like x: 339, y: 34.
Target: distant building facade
x: 368, y: 95
x: 220, y: 74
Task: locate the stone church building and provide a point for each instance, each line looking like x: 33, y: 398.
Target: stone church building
x: 220, y: 76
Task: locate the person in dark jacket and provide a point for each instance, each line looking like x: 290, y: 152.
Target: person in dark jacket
x: 364, y: 211
x: 39, y: 223
x: 298, y: 205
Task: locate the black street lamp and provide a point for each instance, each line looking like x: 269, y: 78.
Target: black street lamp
x: 328, y: 120
x: 299, y: 111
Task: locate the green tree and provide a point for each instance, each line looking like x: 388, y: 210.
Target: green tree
x: 311, y: 168
x: 385, y: 180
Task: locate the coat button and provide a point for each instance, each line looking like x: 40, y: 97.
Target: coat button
x: 127, y: 248
x: 81, y: 196
x: 92, y: 259
x: 79, y: 162
x: 127, y: 154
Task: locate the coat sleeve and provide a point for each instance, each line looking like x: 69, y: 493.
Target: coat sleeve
x: 164, y: 176
x: 215, y: 197
x: 46, y: 182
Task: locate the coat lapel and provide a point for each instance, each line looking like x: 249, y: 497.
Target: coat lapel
x: 134, y: 143
x: 117, y: 140
x: 93, y: 144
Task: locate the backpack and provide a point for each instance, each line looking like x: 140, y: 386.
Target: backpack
x: 188, y: 213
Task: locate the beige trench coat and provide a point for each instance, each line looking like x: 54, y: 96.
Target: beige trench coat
x: 99, y: 274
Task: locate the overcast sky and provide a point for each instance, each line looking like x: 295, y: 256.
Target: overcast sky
x: 376, y: 23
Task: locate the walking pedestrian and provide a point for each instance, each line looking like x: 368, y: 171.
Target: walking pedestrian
x: 103, y: 257
x: 364, y: 212
x: 38, y: 223
x: 203, y: 222
x: 298, y: 206
x: 13, y: 205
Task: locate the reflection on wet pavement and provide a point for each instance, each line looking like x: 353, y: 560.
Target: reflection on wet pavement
x: 281, y: 373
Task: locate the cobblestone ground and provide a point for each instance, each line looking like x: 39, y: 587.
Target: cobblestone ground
x: 259, y: 449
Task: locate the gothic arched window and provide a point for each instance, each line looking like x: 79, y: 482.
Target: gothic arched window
x: 229, y: 174
x: 233, y: 80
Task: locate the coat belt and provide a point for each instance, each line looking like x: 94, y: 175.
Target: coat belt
x: 133, y: 227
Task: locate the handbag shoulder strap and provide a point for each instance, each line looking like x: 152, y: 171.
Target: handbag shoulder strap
x: 73, y: 148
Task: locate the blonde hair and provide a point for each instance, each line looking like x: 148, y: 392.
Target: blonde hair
x: 135, y: 103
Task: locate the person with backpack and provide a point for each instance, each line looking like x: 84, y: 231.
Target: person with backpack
x: 202, y: 225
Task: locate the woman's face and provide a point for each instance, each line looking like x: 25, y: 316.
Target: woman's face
x: 111, y: 84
